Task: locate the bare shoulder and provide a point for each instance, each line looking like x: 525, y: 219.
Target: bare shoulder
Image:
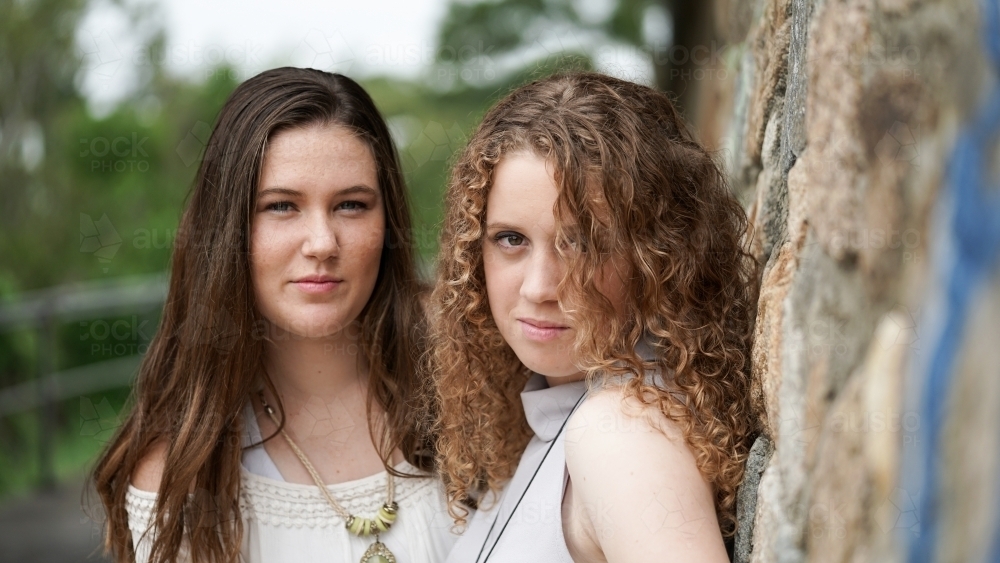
x: 627, y: 460
x: 612, y: 434
x: 149, y: 471
x: 610, y: 415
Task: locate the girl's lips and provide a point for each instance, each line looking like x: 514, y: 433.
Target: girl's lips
x: 539, y: 333
x: 316, y: 287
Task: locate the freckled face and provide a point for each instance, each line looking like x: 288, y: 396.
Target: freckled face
x: 523, y: 269
x: 317, y: 231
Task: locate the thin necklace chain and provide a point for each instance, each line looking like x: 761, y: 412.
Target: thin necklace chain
x: 524, y: 492
x: 312, y: 470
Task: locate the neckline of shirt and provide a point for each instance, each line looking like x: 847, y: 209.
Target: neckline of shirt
x: 546, y: 408
x: 347, y: 488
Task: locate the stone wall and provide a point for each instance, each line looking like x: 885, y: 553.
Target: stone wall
x: 842, y: 120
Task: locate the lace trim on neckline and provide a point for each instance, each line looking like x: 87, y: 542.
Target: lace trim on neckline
x: 363, y: 488
x: 284, y: 504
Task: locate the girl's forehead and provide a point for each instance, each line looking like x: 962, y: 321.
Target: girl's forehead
x: 522, y: 184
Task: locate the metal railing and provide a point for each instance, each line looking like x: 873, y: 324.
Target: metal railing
x: 42, y: 311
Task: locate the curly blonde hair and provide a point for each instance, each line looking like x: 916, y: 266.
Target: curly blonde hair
x: 633, y: 183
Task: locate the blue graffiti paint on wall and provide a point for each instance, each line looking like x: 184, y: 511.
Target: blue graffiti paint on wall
x: 975, y: 230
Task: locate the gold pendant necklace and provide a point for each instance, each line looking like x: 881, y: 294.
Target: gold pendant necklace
x: 361, y: 527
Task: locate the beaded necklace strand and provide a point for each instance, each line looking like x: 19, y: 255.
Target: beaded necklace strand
x: 361, y: 527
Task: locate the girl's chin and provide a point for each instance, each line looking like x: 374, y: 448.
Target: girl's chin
x: 314, y: 328
x: 548, y: 368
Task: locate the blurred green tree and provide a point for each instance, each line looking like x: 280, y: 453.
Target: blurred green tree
x: 476, y: 38
x: 88, y: 196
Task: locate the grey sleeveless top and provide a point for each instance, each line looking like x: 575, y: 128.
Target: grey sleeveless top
x: 526, y: 524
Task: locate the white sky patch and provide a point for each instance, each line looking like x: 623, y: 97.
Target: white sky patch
x: 376, y: 37
x: 396, y: 38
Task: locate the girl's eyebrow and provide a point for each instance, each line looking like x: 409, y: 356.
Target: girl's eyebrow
x: 360, y: 188
x: 501, y: 226
x: 279, y: 190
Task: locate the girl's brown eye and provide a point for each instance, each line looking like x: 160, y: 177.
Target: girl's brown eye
x: 508, y: 239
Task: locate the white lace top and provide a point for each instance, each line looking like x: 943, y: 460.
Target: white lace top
x: 292, y: 522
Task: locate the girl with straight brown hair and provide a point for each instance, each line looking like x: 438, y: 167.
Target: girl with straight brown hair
x: 293, y: 314
x: 591, y: 332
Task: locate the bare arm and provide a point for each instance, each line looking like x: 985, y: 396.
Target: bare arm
x: 139, y: 505
x: 149, y: 471
x: 636, y: 493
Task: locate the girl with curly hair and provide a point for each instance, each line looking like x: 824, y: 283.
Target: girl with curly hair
x: 591, y: 332
x: 274, y: 414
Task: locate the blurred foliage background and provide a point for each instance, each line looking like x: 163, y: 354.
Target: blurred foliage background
x: 94, y: 200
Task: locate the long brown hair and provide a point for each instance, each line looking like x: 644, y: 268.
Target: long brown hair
x: 634, y: 183
x: 204, y: 360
